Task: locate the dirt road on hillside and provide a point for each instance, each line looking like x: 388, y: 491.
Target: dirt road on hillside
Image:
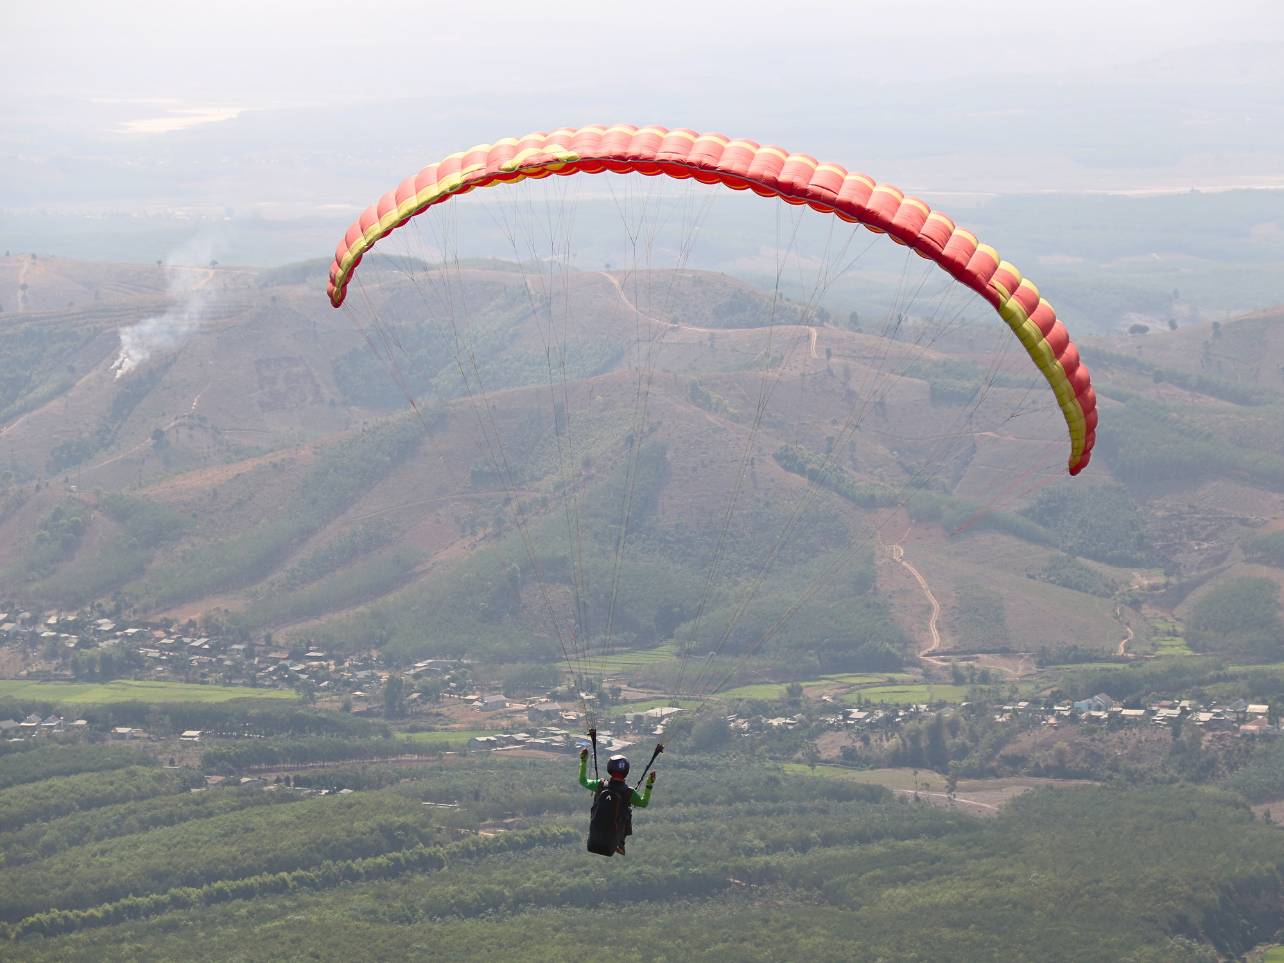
x: 22, y: 279
x: 619, y: 289
x: 668, y: 325
x: 1123, y: 643
x: 934, y: 632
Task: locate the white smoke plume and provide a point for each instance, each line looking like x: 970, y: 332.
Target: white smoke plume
x: 191, y: 285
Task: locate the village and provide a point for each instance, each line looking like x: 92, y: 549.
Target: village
x: 69, y: 647
x: 1248, y: 720
x: 79, y: 646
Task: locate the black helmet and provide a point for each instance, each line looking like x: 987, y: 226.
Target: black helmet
x: 618, y: 766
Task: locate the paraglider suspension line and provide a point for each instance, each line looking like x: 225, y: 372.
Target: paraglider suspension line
x: 659, y: 748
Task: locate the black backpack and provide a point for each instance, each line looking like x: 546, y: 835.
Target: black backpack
x: 609, y: 820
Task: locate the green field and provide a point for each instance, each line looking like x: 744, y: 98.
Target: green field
x: 760, y: 690
x: 1167, y: 639
x: 861, y: 678
x: 1171, y: 646
x: 908, y: 694
x: 630, y: 658
x: 890, y: 778
x: 776, y: 690
x: 125, y: 690
x: 1274, y: 955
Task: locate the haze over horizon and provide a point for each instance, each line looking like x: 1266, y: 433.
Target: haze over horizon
x: 285, y: 111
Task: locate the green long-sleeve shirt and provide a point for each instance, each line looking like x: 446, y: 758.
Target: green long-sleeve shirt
x: 639, y: 799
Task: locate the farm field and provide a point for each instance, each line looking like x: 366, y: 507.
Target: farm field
x: 861, y: 678
x: 1167, y: 638
x: 758, y: 690
x: 124, y: 690
x: 887, y: 778
x: 633, y: 658
x: 776, y: 690
x: 1172, y: 646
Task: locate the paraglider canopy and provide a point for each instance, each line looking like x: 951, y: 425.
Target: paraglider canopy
x: 770, y: 172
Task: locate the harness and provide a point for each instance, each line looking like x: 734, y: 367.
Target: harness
x: 611, y: 818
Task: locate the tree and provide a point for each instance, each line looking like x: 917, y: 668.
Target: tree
x: 394, y: 697
x: 794, y: 694
x: 709, y: 731
x: 1239, y: 616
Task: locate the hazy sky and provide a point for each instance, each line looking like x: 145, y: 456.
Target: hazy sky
x: 269, y: 52
x: 280, y: 106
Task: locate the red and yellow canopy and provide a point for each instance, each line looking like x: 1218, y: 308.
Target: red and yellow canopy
x: 770, y: 172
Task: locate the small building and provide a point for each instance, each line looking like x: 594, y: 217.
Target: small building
x: 1257, y: 728
x: 1098, y: 703
x: 190, y: 735
x: 1166, y: 716
x: 660, y: 713
x: 545, y: 712
x: 491, y: 703
x: 1214, y: 721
